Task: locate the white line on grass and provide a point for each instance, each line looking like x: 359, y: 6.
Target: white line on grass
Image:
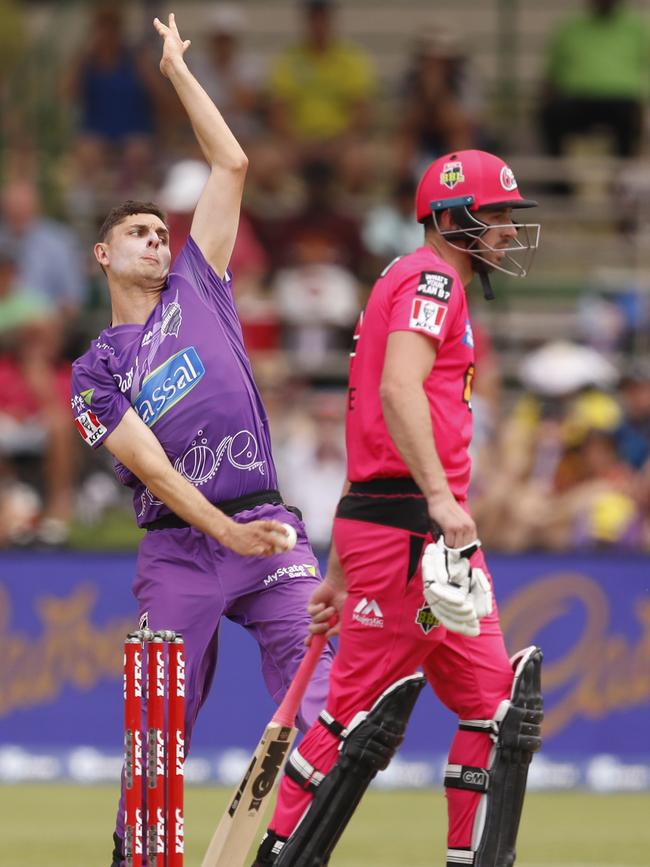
x: 344, y: 862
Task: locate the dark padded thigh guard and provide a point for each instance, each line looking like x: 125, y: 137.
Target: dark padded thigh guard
x: 368, y: 747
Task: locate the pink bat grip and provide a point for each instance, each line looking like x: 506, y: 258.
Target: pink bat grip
x: 285, y: 715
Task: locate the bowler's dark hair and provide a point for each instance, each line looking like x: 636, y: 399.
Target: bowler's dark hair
x: 127, y: 209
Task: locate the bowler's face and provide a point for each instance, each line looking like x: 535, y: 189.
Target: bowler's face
x: 137, y: 249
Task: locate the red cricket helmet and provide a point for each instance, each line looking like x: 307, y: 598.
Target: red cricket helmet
x: 465, y: 182
x: 486, y: 178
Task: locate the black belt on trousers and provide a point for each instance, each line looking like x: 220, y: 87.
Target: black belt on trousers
x: 229, y: 507
x: 393, y: 502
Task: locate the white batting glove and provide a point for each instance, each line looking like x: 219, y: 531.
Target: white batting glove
x: 457, y: 594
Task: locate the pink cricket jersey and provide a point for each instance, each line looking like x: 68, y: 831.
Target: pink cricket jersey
x: 419, y: 292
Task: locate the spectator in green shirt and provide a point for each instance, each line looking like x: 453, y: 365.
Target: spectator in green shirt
x: 597, y: 77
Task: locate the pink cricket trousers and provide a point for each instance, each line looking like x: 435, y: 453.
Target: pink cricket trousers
x: 386, y: 635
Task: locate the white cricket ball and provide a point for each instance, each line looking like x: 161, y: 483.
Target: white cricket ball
x: 292, y: 536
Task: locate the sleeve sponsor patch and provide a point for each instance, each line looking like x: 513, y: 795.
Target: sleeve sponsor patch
x: 90, y: 427
x: 427, y: 316
x: 433, y: 284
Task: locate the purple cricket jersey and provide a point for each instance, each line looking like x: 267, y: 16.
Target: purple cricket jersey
x: 187, y: 375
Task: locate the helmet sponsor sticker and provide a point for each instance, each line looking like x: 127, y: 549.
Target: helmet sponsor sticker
x: 452, y: 174
x: 433, y: 284
x: 427, y: 316
x: 508, y: 181
x: 90, y: 427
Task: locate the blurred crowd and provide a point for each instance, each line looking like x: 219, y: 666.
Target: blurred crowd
x: 335, y: 151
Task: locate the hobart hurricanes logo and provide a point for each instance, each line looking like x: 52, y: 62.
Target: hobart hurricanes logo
x: 168, y: 384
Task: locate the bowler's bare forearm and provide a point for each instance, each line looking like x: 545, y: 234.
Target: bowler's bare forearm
x: 220, y: 147
x: 135, y: 446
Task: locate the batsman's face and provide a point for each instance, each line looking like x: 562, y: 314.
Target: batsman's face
x: 498, y: 239
x: 137, y: 250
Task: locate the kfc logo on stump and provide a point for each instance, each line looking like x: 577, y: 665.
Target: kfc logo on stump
x: 427, y: 316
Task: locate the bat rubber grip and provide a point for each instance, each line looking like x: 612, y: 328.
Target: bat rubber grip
x: 285, y: 715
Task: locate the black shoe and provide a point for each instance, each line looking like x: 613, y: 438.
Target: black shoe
x: 117, y: 851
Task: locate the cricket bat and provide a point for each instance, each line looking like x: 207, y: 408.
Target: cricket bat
x: 238, y: 826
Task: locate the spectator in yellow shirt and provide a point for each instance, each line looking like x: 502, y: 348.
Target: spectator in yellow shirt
x: 320, y: 87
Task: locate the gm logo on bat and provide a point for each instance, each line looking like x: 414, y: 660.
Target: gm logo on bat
x: 263, y: 782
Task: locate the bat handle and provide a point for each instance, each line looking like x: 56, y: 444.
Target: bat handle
x: 285, y: 715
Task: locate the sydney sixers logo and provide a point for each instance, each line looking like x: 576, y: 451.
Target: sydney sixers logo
x: 508, y: 181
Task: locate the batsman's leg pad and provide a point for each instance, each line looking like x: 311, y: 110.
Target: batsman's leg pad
x: 516, y: 734
x: 367, y: 745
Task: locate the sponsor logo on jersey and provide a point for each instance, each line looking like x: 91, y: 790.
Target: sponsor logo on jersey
x: 295, y: 570
x: 168, y: 384
x: 368, y: 613
x: 508, y: 180
x: 124, y: 382
x: 90, y: 427
x: 434, y: 285
x: 452, y: 174
x: 104, y: 347
x: 80, y: 401
x: 171, y: 319
x: 426, y: 619
x: 468, y: 337
x: 427, y: 315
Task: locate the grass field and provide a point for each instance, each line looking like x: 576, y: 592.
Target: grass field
x: 71, y: 826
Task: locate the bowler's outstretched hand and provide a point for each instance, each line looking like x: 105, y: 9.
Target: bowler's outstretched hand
x: 173, y: 46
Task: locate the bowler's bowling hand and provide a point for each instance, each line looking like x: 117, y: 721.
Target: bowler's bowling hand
x: 256, y: 538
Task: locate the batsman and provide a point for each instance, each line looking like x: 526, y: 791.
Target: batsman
x: 168, y: 389
x: 407, y: 574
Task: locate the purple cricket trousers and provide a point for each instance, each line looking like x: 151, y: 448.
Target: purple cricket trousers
x: 186, y: 581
